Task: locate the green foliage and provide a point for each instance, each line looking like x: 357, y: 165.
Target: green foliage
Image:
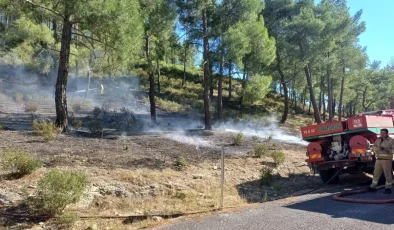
x: 96, y: 112
x: 20, y: 163
x: 180, y: 163
x: 95, y: 126
x: 180, y: 195
x: 278, y: 157
x: 261, y: 150
x: 57, y: 189
x: 47, y: 130
x: 77, y: 124
x: 238, y: 138
x: 250, y: 45
x: 257, y: 88
x: 169, y: 106
x: 267, y: 176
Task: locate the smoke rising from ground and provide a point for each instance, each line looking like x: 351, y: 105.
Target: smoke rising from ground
x: 270, y: 131
x: 125, y: 92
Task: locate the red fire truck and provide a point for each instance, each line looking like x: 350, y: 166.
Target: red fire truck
x: 346, y: 144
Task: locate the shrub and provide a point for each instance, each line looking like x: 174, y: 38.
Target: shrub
x: 169, y: 106
x: 1, y: 126
x: 238, y: 139
x: 96, y: 112
x: 20, y: 163
x: 47, y: 130
x: 95, y: 126
x: 77, y: 124
x: 278, y: 157
x: 18, y: 97
x: 255, y: 138
x: 77, y: 106
x: 180, y: 163
x: 260, y: 150
x: 56, y: 190
x: 30, y: 106
x: 266, y: 176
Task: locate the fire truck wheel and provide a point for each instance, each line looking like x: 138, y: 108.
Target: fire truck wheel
x: 326, y: 175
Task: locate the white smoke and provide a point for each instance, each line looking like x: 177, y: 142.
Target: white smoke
x: 182, y: 137
x: 270, y: 129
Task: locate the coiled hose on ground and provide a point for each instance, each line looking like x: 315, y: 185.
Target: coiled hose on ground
x: 342, y: 197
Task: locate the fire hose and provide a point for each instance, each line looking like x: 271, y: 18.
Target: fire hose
x: 342, y: 197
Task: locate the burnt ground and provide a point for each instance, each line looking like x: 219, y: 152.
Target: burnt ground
x: 132, y: 171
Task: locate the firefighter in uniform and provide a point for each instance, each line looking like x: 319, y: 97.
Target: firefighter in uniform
x: 383, y: 149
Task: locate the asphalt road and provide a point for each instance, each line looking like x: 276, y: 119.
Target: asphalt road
x: 314, y: 211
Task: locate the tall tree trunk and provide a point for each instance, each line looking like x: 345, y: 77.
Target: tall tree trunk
x: 184, y: 68
x: 295, y: 99
x: 158, y: 75
x: 64, y: 65
x: 284, y: 85
x: 329, y: 93
x: 77, y: 73
x: 280, y: 88
x: 151, y: 80
x: 88, y: 85
x: 208, y: 122
x: 321, y: 93
x: 230, y: 87
x: 354, y: 109
x: 55, y: 59
x: 312, y: 94
x: 241, y: 98
x: 324, y: 108
x: 309, y: 109
x: 211, y: 80
x: 333, y: 106
x: 220, y: 87
x: 341, y: 94
x: 76, y: 60
x: 295, y: 102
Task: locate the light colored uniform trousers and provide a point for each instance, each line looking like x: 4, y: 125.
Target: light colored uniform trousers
x: 382, y: 166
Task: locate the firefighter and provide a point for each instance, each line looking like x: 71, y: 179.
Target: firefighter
x: 383, y: 149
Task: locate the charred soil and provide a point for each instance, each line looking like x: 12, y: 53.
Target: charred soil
x: 150, y: 173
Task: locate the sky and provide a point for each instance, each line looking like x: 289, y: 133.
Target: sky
x: 379, y: 34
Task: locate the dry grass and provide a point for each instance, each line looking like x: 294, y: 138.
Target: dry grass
x: 80, y: 105
x: 30, y: 106
x: 154, y: 189
x: 143, y: 177
x: 18, y: 97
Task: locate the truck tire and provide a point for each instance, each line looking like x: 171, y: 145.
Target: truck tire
x: 326, y: 175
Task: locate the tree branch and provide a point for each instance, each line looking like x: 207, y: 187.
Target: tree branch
x: 44, y: 7
x: 48, y: 48
x: 93, y: 39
